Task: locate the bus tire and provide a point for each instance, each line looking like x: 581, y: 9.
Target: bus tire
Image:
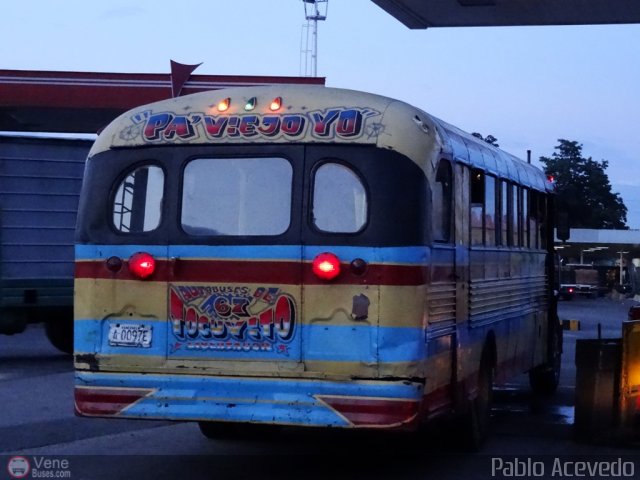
x: 219, y: 430
x: 231, y: 430
x: 544, y: 379
x: 476, y: 421
x: 59, y: 331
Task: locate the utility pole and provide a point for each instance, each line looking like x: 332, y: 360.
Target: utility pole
x: 621, y: 266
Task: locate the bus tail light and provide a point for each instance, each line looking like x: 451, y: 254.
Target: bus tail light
x: 142, y: 265
x: 114, y: 264
x: 359, y: 266
x: 326, y: 266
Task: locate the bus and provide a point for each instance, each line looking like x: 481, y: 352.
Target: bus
x: 308, y: 256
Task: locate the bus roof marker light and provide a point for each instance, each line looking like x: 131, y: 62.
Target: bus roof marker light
x: 224, y: 104
x: 326, y: 266
x: 251, y: 104
x: 276, y: 103
x: 142, y: 265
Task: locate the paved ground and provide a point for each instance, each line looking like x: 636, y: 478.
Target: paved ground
x: 37, y: 421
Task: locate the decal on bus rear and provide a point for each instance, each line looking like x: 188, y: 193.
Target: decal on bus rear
x: 240, y: 319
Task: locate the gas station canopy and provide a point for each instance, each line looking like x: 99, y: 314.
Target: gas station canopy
x: 418, y: 14
x: 85, y: 102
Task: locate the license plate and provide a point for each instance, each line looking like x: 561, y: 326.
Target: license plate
x: 127, y: 335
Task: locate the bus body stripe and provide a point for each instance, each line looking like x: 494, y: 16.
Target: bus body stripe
x: 327, y: 343
x: 265, y: 272
x: 401, y: 255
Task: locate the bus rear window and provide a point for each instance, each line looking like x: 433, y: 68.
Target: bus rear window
x: 237, y: 196
x: 138, y: 201
x: 339, y: 200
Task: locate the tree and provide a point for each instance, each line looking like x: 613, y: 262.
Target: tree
x: 490, y: 139
x: 583, y: 188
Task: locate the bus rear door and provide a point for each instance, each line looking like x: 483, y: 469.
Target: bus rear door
x: 235, y: 301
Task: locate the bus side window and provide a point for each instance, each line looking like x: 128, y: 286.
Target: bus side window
x: 511, y: 215
x: 532, y: 219
x: 339, y: 199
x: 504, y: 213
x: 524, y: 209
x: 137, y: 203
x: 442, y: 200
x: 477, y: 207
x: 542, y: 221
x: 515, y: 216
x: 490, y: 210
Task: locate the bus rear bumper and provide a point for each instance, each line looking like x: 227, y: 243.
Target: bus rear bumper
x: 322, y: 403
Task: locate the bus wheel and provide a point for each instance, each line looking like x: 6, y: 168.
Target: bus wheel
x: 219, y: 430
x: 477, y: 419
x: 544, y: 379
x: 230, y: 430
x: 59, y: 331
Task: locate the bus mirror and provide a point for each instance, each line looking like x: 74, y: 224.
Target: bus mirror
x: 563, y: 232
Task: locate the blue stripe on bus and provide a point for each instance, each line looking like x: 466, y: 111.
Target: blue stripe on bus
x: 411, y: 255
x: 335, y: 343
x: 99, y: 252
x: 354, y: 343
x: 414, y: 255
x: 270, y: 400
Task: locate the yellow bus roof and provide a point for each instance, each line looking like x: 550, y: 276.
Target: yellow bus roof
x: 306, y: 114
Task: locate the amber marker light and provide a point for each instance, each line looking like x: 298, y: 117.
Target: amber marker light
x: 276, y: 103
x: 223, y: 106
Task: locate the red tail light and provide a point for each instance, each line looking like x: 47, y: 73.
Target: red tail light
x: 326, y: 266
x: 142, y: 265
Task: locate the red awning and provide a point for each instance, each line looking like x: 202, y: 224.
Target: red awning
x: 83, y: 102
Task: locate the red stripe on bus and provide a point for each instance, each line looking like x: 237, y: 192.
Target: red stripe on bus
x: 374, y: 412
x: 106, y: 401
x: 266, y: 272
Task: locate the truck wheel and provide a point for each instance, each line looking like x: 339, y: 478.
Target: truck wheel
x: 544, y: 379
x: 12, y: 322
x: 59, y: 331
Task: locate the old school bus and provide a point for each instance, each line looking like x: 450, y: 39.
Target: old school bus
x: 302, y: 255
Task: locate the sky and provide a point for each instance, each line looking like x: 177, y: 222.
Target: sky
x: 527, y: 86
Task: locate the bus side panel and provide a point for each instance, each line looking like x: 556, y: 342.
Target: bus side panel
x: 508, y: 310
x: 368, y: 325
